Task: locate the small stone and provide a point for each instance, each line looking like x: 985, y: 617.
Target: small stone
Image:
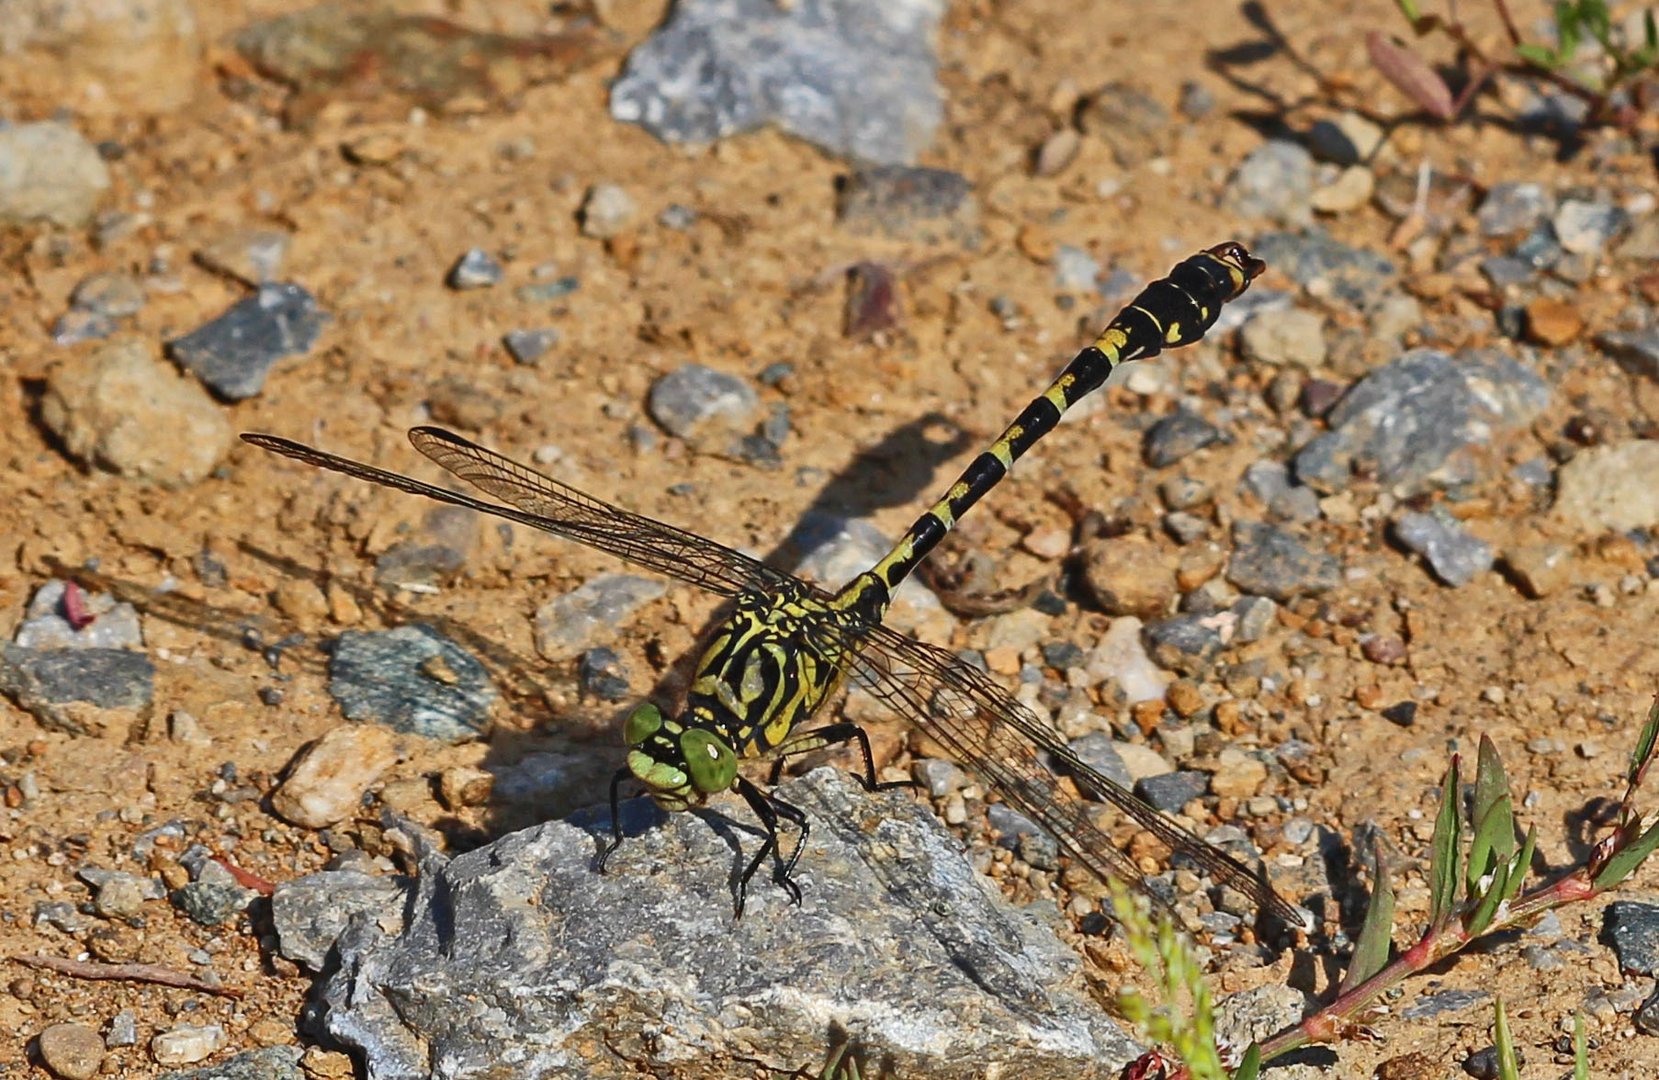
x: 75, y: 326
x: 1256, y: 616
x: 111, y: 294
x: 322, y: 1064
x: 602, y: 673
x: 1141, y: 761
x: 606, y: 211
x: 1274, y: 181
x: 1351, y: 190
x: 1383, y: 649
x: 1585, y: 228
x: 119, y: 895
x: 939, y: 778
x: 327, y: 779
x: 475, y: 269
x: 1553, y: 322
x: 49, y: 172
x: 926, y: 205
x: 1348, y: 140
x: 122, y: 1030
x: 530, y: 345
x: 187, y: 1044
x: 62, y: 615
x: 693, y: 397
x: 591, y: 615
x: 1237, y: 775
x: 1284, y: 335
x: 1633, y: 929
x: 1430, y: 1006
x: 1121, y: 657
x: 1540, y: 569
x: 1185, y: 698
x: 1636, y: 351
x: 1128, y: 575
x: 1196, y: 101
x: 547, y: 292
x: 1178, y: 435
x: 252, y: 256
x: 1183, y: 493
x: 1172, y: 791
x: 1268, y: 561
x: 212, y: 903
x: 872, y: 307
x: 234, y: 353
x: 107, y: 678
x: 381, y: 677
x: 119, y: 409
x: 1187, y: 643
x: 1131, y: 122
x: 1403, y: 714
x: 1455, y: 557
x: 1057, y: 152
x: 1186, y: 528
x: 1511, y: 208
x: 1099, y: 752
x: 1075, y: 270
x: 1609, y: 488
x: 70, y: 1051
x: 464, y: 785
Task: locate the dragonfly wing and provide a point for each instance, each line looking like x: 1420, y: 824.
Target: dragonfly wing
x: 545, y: 504
x: 988, y: 731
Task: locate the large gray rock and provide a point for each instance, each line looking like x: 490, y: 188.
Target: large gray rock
x: 519, y: 959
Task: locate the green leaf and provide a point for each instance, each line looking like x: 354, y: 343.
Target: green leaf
x: 1494, y: 835
x: 1625, y: 861
x: 1487, y: 906
x: 1540, y: 56
x: 1508, y: 1067
x: 1581, y: 1056
x: 1650, y: 33
x: 1521, y: 863
x: 1443, y: 875
x: 1649, y: 734
x: 1410, y: 10
x: 1251, y: 1067
x: 1376, y: 936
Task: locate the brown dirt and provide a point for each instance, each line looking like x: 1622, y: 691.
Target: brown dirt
x: 374, y: 242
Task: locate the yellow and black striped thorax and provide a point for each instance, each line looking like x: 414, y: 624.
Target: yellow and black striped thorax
x: 1176, y: 310
x: 768, y: 669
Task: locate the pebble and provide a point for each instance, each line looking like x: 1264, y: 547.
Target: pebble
x: 1383, y: 648
x: 1402, y: 714
x: 1455, y: 557
x: 49, y: 173
x: 1177, y: 436
x: 1585, y: 228
x: 1099, y: 752
x: 592, y: 614
x: 1542, y: 958
x: 1196, y: 100
x: 75, y: 326
x: 1237, y: 774
x: 1057, y: 152
x: 607, y: 210
x: 388, y: 677
x: 1483, y: 1063
x: 1553, y: 322
x: 1424, y: 421
x: 111, y: 293
x: 327, y: 779
x: 1127, y: 575
x: 1610, y: 488
x: 1284, y: 335
x: 1185, y: 528
x: 858, y: 80
x: 120, y: 895
x: 1121, y: 657
x: 1141, y: 761
x: 1274, y: 181
x: 939, y: 777
x: 1432, y: 1005
x: 1256, y: 616
x: 234, y: 353
x: 1325, y: 267
x: 547, y: 292
x: 46, y: 623
x: 1075, y: 270
x: 1171, y: 791
x: 70, y: 1051
x: 1632, y: 928
x: 1187, y: 643
x: 602, y: 673
x: 1350, y: 139
x: 475, y: 269
x: 187, y: 1044
x: 529, y: 346
x: 1269, y: 561
x: 122, y: 1030
x: 107, y: 678
x: 693, y: 397
x: 1513, y: 207
x: 1351, y: 190
x: 1540, y: 569
x: 1132, y: 123
x: 925, y: 205
x: 118, y: 408
x: 252, y: 256
x: 1636, y: 351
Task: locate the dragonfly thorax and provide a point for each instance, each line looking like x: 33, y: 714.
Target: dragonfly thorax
x: 680, y: 766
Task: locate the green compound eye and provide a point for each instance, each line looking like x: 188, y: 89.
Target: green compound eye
x: 710, y: 762
x: 642, y: 723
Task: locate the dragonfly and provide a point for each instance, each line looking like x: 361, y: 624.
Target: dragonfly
x: 787, y: 647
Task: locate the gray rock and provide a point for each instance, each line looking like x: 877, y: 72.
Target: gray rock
x: 606, y: 211
x: 310, y: 913
x: 602, y: 673
x: 547, y: 292
x: 117, y: 894
x: 529, y: 346
x: 1610, y: 488
x: 50, y: 173
x: 1178, y: 435
x: 592, y: 614
x: 693, y: 397
x: 1326, y: 267
x: 1424, y: 421
x: 1455, y: 557
x: 939, y: 777
x: 1350, y: 139
x: 232, y: 354
x: 856, y: 79
x: 1256, y: 616
x: 1430, y: 1006
x: 1269, y: 561
x: 46, y: 622
x: 1513, y: 207
x: 1187, y: 643
x: 112, y: 294
x: 412, y: 679
x: 1169, y: 792
x: 75, y: 326
x: 122, y: 1029
x: 212, y: 903
x: 1196, y: 101
x: 475, y: 269
x: 251, y: 256
x: 1274, y: 181
x: 927, y: 205
x: 1632, y: 928
x: 266, y: 1063
x: 1099, y: 752
x: 1265, y: 480
x: 1075, y: 270
x: 513, y: 956
x: 1285, y: 335
x: 1636, y: 351
x: 107, y: 678
x: 1585, y: 228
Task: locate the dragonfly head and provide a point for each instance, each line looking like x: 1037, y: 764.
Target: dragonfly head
x: 680, y: 766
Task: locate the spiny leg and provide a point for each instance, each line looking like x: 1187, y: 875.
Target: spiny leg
x: 768, y: 809
x: 616, y: 818
x: 833, y: 735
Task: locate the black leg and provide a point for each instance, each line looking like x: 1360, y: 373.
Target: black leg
x: 832, y: 735
x: 616, y: 818
x: 767, y: 810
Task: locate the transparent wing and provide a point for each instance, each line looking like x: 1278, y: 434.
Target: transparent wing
x: 994, y: 735
x: 543, y: 503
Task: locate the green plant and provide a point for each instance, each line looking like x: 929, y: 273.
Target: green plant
x: 1596, y: 80
x: 1474, y: 892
